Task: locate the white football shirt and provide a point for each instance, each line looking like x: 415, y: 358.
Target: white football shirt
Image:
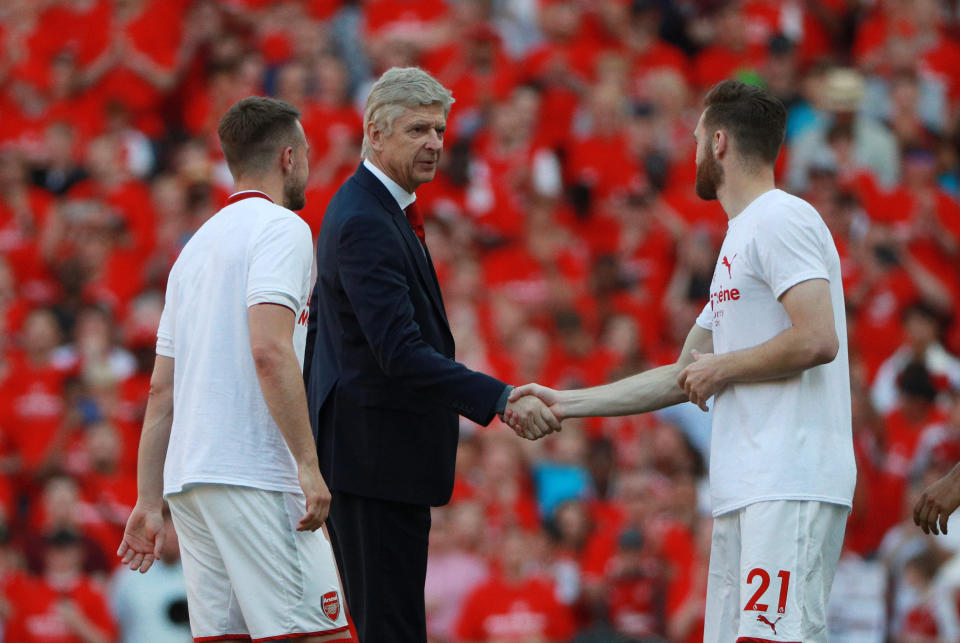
x: 786, y: 439
x: 251, y: 252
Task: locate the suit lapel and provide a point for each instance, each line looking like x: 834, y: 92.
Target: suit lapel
x: 419, y: 253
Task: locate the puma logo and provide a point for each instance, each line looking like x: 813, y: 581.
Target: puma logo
x: 726, y: 262
x: 773, y: 626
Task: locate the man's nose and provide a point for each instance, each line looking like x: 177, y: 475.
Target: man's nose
x: 434, y: 141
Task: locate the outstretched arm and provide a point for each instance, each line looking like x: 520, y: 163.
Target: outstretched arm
x: 646, y: 391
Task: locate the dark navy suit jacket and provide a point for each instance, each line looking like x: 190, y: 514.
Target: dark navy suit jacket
x: 383, y: 388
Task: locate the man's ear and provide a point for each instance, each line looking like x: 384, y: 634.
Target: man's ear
x: 375, y: 136
x: 286, y: 159
x: 720, y: 144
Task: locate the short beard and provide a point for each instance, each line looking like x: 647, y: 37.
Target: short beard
x: 294, y: 197
x: 709, y: 178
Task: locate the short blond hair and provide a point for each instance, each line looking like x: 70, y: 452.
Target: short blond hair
x: 399, y: 89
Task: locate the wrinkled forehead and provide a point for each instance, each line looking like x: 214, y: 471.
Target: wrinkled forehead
x: 432, y: 114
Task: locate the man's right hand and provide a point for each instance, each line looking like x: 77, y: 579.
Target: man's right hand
x: 529, y: 414
x: 317, y: 495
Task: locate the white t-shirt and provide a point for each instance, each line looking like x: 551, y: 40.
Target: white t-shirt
x: 786, y: 439
x: 251, y: 252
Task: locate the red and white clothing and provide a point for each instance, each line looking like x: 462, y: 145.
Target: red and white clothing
x: 782, y: 469
x: 501, y: 611
x: 771, y: 570
x: 37, y: 611
x: 229, y: 476
x: 790, y: 438
x: 250, y: 252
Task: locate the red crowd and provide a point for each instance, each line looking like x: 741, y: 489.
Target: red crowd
x: 570, y: 247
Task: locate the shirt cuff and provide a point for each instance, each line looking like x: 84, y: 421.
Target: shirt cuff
x: 502, y: 402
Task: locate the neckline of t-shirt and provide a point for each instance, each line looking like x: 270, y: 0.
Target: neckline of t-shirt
x: 750, y: 207
x: 247, y: 194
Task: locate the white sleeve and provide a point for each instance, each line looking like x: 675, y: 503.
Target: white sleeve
x: 165, y: 331
x: 280, y: 264
x: 790, y: 250
x: 705, y: 318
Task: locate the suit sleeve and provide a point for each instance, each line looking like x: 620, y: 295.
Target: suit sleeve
x: 374, y: 278
x: 311, y: 333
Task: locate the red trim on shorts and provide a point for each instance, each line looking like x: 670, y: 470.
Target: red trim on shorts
x: 299, y: 635
x: 753, y: 639
x: 222, y: 637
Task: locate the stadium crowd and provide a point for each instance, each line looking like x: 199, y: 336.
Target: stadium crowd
x: 571, y: 249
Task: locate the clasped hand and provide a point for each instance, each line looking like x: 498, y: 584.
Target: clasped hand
x: 531, y: 412
x: 701, y: 379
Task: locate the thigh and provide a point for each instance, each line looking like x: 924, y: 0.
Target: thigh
x: 285, y: 581
x: 788, y: 558
x: 382, y: 548
x: 722, y: 614
x: 213, y: 606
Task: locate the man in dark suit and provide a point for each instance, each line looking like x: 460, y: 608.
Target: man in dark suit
x: 383, y: 388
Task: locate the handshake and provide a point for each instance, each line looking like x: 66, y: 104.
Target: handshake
x: 533, y: 411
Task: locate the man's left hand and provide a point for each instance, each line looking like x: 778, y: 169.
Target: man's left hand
x: 143, y: 538
x: 701, y: 379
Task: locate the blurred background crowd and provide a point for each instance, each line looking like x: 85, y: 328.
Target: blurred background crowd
x: 571, y: 250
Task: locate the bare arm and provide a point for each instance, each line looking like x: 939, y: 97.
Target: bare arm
x: 143, y: 536
x: 278, y: 370
x: 810, y: 341
x: 646, y: 391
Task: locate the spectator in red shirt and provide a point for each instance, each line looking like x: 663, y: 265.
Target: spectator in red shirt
x: 515, y: 605
x: 939, y: 447
x: 64, y: 605
x: 33, y: 401
x: 925, y: 217
x: 637, y: 586
x: 646, y: 50
x: 891, y: 279
x: 24, y: 210
x: 924, y: 619
x: 922, y: 328
x: 61, y: 507
x: 599, y: 161
x: 915, y: 412
x: 730, y: 52
x: 107, y: 486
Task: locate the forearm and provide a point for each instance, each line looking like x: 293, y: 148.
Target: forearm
x: 282, y: 385
x: 641, y: 393
x: 789, y: 353
x: 154, y: 439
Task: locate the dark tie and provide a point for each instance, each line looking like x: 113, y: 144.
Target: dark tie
x: 416, y: 222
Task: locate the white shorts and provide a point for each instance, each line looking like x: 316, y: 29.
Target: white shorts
x: 249, y: 572
x: 771, y: 568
